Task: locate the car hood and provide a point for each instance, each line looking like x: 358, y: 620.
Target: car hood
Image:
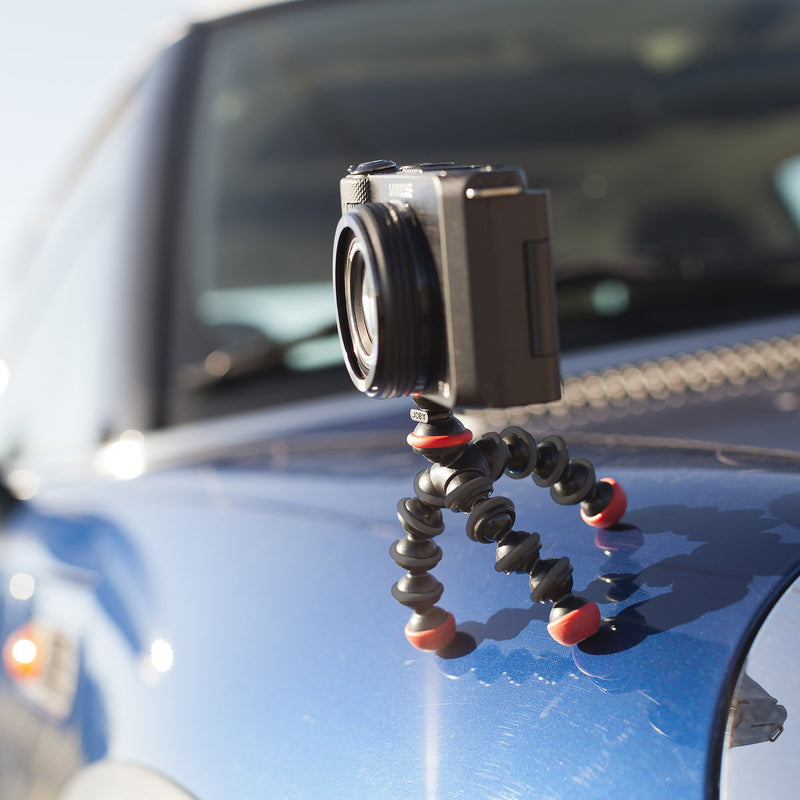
x: 272, y: 586
x: 265, y: 565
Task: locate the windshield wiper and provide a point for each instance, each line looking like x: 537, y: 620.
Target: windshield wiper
x: 224, y: 366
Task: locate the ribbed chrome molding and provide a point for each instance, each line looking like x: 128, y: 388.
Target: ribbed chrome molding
x: 706, y: 375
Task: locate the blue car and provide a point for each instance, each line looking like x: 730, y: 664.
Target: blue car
x: 198, y: 507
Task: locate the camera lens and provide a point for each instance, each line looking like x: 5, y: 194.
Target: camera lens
x: 362, y: 306
x: 385, y: 287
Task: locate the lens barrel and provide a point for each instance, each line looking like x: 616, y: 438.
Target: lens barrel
x: 386, y: 289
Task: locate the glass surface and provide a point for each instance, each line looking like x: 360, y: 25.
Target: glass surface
x: 369, y: 306
x: 664, y: 140
x: 64, y: 340
x: 362, y: 309
x: 762, y: 740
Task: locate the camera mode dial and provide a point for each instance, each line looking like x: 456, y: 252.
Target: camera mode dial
x: 368, y: 167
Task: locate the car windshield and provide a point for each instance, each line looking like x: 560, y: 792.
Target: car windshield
x: 669, y: 143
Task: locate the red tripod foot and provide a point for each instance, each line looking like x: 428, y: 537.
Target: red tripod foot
x: 431, y: 639
x: 576, y: 625
x: 614, y: 510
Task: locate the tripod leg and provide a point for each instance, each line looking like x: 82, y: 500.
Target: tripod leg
x: 430, y: 627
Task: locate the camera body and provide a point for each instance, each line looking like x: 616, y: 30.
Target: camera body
x: 444, y: 285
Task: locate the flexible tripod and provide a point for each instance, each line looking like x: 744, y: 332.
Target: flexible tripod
x: 461, y: 477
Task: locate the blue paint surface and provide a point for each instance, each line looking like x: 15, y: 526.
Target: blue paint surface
x: 269, y: 575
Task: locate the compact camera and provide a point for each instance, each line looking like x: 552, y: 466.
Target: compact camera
x: 444, y: 285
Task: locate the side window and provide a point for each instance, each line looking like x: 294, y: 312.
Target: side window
x: 64, y: 346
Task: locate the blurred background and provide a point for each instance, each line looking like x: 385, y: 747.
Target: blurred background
x: 60, y: 63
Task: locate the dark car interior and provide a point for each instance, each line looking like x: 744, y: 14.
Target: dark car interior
x: 652, y: 214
